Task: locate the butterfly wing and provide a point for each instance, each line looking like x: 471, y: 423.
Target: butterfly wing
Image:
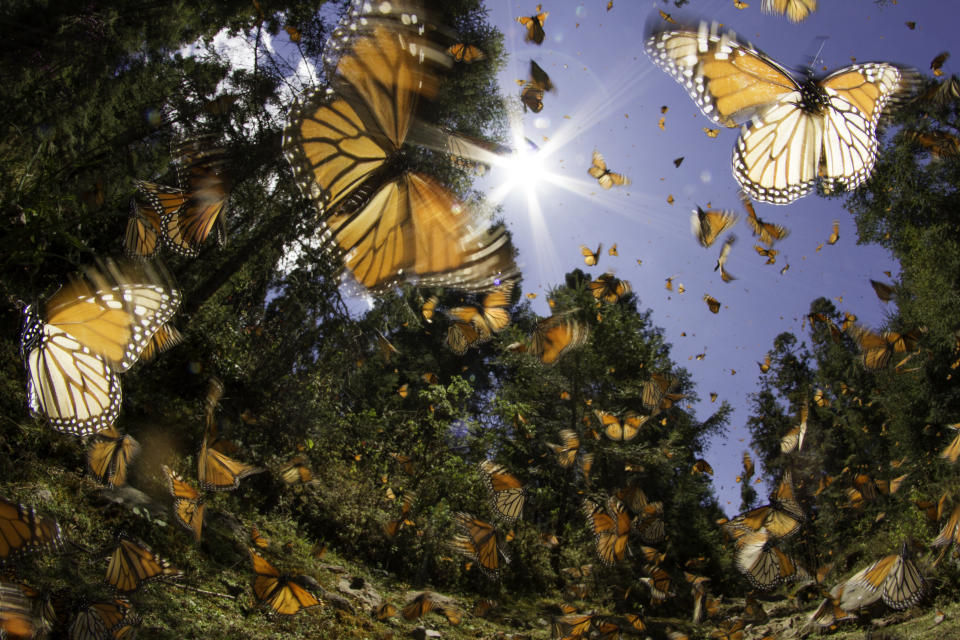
x: 166, y: 337
x: 479, y: 541
x: 219, y: 472
x: 532, y: 97
x: 109, y: 456
x: 731, y: 82
x: 461, y: 335
x: 904, y: 585
x: 92, y: 329
x: 133, y: 564
x: 22, y: 530
x: 857, y: 96
x: 556, y: 335
x: 534, y: 25
x: 142, y: 238
x: 188, y: 506
x: 279, y: 592
x: 507, y: 494
x: 795, y: 10
x: 388, y: 224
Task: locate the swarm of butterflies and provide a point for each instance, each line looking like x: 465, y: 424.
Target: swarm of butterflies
x: 345, y: 143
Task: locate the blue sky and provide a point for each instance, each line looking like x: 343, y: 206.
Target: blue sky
x: 609, y: 96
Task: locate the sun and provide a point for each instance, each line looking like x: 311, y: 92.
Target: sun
x: 526, y: 168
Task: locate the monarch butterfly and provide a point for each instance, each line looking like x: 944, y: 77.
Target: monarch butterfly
x: 345, y: 149
x: 802, y: 132
x: 572, y: 625
x: 708, y: 225
x: 478, y: 540
x: 296, y: 471
x: 386, y: 611
x: 620, y: 430
x: 877, y: 348
x: 507, y: 495
x: 461, y: 336
x: 950, y: 533
x: 936, y: 65
x: 658, y: 387
x: 650, y: 524
x: 748, y: 466
x: 109, y: 456
x: 729, y: 630
x: 392, y: 527
x: 780, y: 519
x: 604, y: 176
x: 566, y: 451
x: 258, y: 538
x: 795, y: 10
x: 769, y: 254
x: 534, y: 25
x: 532, y: 93
x: 793, y: 440
x: 753, y: 611
x: 896, y: 577
x: 835, y: 233
x: 763, y: 564
x: 16, y: 614
x: 468, y: 53
x: 104, y: 620
x: 943, y: 93
x: 491, y: 317
x: 419, y: 606
x: 835, y: 333
x: 940, y: 144
x: 722, y: 260
x: 428, y: 308
x: 712, y: 303
x: 590, y: 258
x: 91, y: 330
x: 406, y: 463
x: 166, y: 337
x: 768, y: 232
x: 659, y: 584
x: 829, y: 612
x: 699, y: 602
x: 142, y: 238
x: 611, y: 529
x: 205, y: 192
x: 531, y: 96
x: 219, y: 472
x: 280, y: 592
x: 22, y: 530
x: 387, y: 350
x: 133, y: 564
x: 889, y: 487
x: 666, y: 16
x: 162, y: 203
x: 883, y: 290
x: 556, y: 335
x: 452, y: 615
x: 702, y: 466
x: 608, y: 288
x: 585, y: 463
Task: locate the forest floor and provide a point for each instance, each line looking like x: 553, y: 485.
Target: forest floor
x: 213, y: 598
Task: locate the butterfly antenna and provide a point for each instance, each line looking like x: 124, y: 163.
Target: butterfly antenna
x: 815, y: 60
